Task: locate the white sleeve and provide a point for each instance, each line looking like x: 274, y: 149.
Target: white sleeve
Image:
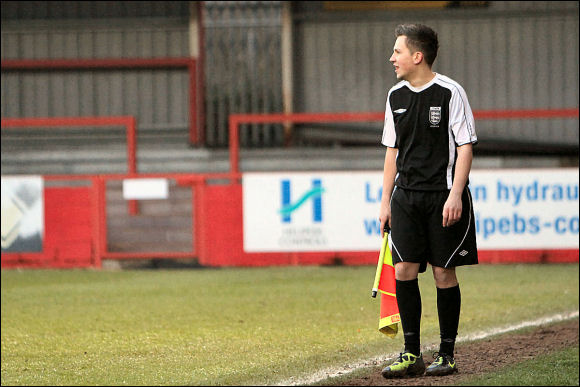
x: 389, y: 135
x: 461, y: 120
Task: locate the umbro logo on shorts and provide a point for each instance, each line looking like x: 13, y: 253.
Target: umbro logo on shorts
x: 463, y: 253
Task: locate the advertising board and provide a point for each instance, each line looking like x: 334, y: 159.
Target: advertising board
x: 338, y: 211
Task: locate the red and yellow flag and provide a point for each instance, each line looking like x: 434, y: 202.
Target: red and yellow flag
x: 386, y: 285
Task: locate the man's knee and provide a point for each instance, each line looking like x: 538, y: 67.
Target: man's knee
x: 406, y: 271
x: 444, y: 278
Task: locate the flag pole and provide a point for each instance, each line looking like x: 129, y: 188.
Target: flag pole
x: 380, y: 265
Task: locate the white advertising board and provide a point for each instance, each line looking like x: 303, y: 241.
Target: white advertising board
x: 145, y: 189
x: 526, y: 208
x: 323, y: 211
x: 22, y: 214
x: 338, y: 211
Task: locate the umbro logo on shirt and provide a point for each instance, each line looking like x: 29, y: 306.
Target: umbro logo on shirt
x: 399, y: 111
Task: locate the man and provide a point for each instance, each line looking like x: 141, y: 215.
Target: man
x: 429, y: 133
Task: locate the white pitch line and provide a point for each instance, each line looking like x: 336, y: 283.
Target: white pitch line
x: 524, y: 324
x: 346, y: 369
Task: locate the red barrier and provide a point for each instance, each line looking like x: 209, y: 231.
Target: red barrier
x: 69, y: 226
x: 76, y: 230
x: 528, y: 256
x: 198, y: 232
x: 76, y: 223
x: 69, y: 232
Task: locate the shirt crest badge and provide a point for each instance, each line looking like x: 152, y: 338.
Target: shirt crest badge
x: 435, y: 115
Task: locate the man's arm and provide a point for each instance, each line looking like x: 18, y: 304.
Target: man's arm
x: 452, y: 208
x: 389, y: 173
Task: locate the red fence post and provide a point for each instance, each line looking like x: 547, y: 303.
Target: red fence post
x: 194, y: 220
x: 234, y: 144
x: 102, y: 218
x: 95, y: 221
x: 200, y: 220
x: 131, y: 123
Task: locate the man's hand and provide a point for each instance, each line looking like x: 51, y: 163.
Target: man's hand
x: 385, y: 217
x: 452, y: 209
x: 389, y: 173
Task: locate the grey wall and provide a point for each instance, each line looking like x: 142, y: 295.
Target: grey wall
x: 242, y: 64
x: 243, y: 68
x: 158, y: 98
x: 510, y: 55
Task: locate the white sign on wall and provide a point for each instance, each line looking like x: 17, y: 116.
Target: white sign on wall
x: 145, y: 189
x: 526, y: 209
x: 338, y: 211
x: 22, y: 214
x: 323, y: 211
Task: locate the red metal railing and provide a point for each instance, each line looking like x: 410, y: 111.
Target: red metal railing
x: 89, y: 64
x: 101, y: 211
x: 236, y: 119
x: 195, y: 135
x: 525, y: 113
x: 128, y: 122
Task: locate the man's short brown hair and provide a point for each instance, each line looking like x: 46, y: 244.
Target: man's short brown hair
x: 420, y: 38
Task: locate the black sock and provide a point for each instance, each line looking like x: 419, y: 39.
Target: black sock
x: 448, y: 308
x: 409, y: 302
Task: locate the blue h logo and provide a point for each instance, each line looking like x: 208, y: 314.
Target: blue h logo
x: 315, y: 194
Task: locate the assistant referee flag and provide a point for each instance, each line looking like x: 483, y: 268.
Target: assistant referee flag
x: 389, y: 315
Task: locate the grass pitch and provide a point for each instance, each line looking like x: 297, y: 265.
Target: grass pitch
x: 235, y: 326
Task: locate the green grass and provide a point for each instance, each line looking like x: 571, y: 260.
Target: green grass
x: 556, y: 369
x: 234, y: 326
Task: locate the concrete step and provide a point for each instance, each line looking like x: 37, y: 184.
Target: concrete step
x: 163, y: 158
x: 145, y: 221
x: 100, y: 160
x: 147, y: 246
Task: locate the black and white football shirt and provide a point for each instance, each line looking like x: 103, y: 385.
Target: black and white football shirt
x: 426, y: 124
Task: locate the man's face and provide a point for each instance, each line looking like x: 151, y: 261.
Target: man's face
x: 402, y: 58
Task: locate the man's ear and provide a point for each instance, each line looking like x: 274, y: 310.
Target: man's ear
x: 417, y: 57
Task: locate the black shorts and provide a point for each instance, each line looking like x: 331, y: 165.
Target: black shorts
x: 417, y: 234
